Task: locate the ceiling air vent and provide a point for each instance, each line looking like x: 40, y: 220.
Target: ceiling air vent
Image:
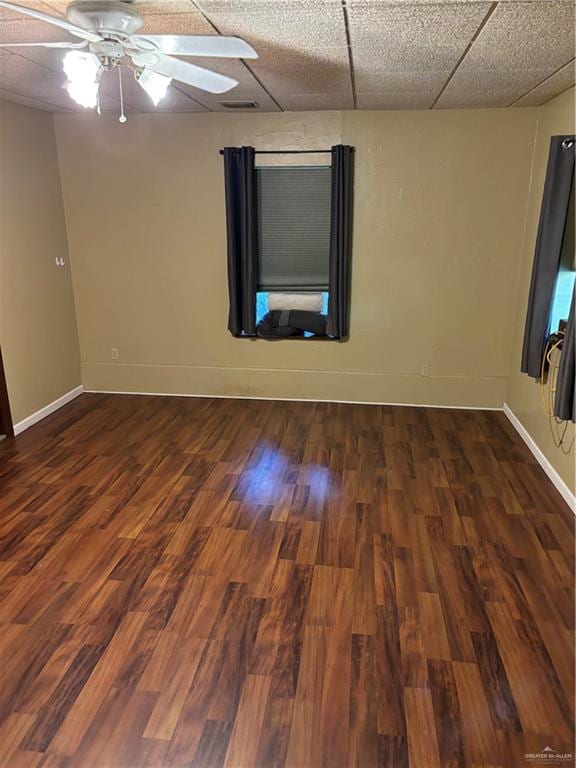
x: 239, y: 104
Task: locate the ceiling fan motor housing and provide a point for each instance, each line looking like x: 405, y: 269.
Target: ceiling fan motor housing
x: 107, y: 17
x: 109, y: 52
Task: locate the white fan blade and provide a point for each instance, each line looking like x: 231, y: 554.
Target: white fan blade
x: 192, y: 75
x: 62, y: 23
x: 196, y: 45
x: 44, y: 45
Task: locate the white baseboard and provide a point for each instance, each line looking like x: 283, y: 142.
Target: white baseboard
x: 34, y: 418
x: 292, y: 400
x: 568, y: 495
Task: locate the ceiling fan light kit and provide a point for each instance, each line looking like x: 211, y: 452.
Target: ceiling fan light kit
x: 154, y: 84
x: 83, y: 70
x: 107, y: 29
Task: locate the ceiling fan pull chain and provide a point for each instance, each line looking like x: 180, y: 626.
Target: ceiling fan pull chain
x: 122, y: 118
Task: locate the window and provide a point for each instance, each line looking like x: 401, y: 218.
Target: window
x: 552, y: 282
x: 289, y: 230
x: 293, y: 227
x: 565, y: 279
x: 293, y: 232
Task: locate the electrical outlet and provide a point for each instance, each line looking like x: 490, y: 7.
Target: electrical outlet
x: 115, y: 353
x: 425, y: 369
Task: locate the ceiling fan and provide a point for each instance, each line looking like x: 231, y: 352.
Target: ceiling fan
x: 107, y: 38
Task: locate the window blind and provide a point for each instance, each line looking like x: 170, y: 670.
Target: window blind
x: 293, y: 227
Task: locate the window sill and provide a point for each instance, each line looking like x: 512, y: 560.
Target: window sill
x: 291, y: 338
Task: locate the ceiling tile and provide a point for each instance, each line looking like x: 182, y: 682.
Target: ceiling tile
x: 532, y: 35
x: 49, y: 59
x: 304, y: 102
x: 520, y: 46
x: 551, y: 20
x: 165, y: 6
x: 57, y: 7
x: 400, y: 100
x: 289, y: 26
x: 311, y: 80
x: 31, y: 31
x: 270, y: 55
x: 515, y: 54
x: 488, y: 88
x: 416, y: 38
x: 397, y: 82
x: 25, y: 77
x: 143, y: 6
x: 37, y: 5
x: 311, y: 71
x: 176, y: 24
x: 263, y: 6
x: 29, y: 102
x: 551, y: 87
x: 402, y: 58
x: 427, y: 24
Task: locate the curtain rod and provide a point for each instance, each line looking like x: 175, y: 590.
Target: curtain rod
x: 289, y: 151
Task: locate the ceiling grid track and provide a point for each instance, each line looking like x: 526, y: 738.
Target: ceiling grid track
x: 175, y: 85
x: 350, y: 54
x: 475, y: 36
x: 55, y: 108
x: 549, y: 77
x: 254, y: 75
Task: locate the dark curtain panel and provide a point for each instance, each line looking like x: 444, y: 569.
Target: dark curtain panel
x: 553, y: 217
x: 340, y: 240
x: 241, y: 227
x: 564, y: 400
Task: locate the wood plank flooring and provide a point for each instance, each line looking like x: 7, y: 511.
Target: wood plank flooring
x: 197, y: 582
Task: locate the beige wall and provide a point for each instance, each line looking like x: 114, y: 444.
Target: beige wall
x: 440, y: 208
x: 447, y: 207
x: 523, y: 394
x: 38, y: 333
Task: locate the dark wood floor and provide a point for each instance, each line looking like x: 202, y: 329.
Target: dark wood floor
x: 195, y: 582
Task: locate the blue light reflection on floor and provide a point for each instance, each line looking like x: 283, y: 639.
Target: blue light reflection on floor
x: 269, y: 473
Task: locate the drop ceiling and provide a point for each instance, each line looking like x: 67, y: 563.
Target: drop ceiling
x: 331, y: 54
